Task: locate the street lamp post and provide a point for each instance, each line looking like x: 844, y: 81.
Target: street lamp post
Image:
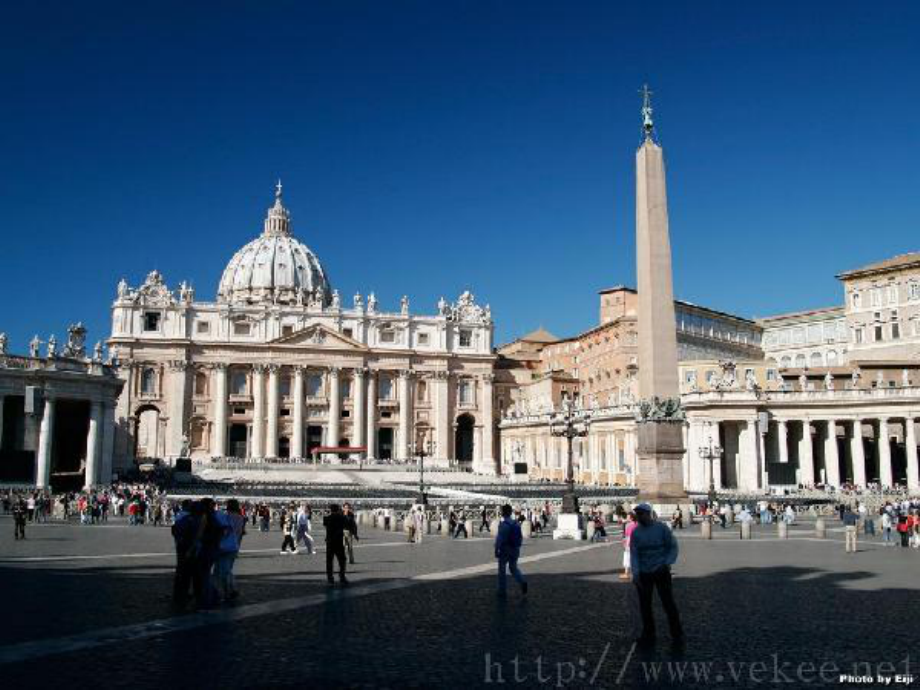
x: 570, y: 424
x: 423, y: 447
x: 712, y: 453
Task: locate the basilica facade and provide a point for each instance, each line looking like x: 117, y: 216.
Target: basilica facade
x: 281, y: 364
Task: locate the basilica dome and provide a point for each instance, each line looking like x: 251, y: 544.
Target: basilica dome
x: 275, y: 267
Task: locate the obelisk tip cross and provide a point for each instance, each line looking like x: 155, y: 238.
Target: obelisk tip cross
x: 648, y: 125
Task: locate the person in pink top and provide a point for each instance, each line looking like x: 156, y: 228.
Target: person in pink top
x: 628, y: 529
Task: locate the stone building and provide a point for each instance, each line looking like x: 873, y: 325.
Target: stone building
x: 57, y: 414
x: 280, y: 363
x: 598, y: 369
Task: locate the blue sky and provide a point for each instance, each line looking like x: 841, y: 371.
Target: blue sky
x: 431, y: 147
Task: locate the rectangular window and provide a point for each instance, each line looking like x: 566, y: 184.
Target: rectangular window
x: 387, y: 336
x: 239, y: 411
x: 285, y: 412
x: 771, y: 374
x: 287, y: 329
x: 892, y: 294
x: 879, y: 333
x: 876, y: 296
x: 465, y: 392
x: 895, y: 331
x: 914, y: 290
x: 466, y: 337
x: 386, y: 388
x: 202, y: 327
x: 346, y: 414
x: 422, y: 338
x: 151, y: 321
x: 856, y: 300
x: 284, y: 386
x: 242, y: 328
x: 857, y: 335
x: 348, y: 333
x: 916, y: 326
x: 346, y: 388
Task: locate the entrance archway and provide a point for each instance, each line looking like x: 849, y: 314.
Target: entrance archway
x: 239, y: 435
x: 385, y: 443
x: 463, y: 441
x: 147, y: 439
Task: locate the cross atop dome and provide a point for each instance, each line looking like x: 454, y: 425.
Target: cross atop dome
x: 278, y: 220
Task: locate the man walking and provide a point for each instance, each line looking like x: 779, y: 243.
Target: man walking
x: 652, y: 551
x: 850, y: 522
x: 507, y: 550
x: 19, y: 519
x: 336, y: 525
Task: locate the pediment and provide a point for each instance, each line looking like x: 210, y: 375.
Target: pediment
x: 319, y: 336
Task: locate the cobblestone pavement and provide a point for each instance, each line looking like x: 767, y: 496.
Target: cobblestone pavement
x: 90, y: 605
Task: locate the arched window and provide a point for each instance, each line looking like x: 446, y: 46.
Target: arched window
x: 832, y: 358
x: 785, y: 362
x: 314, y: 385
x: 385, y: 389
x: 149, y: 381
x: 800, y: 361
x: 421, y: 391
x: 816, y: 360
x: 238, y: 383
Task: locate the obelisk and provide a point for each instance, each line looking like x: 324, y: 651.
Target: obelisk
x: 660, y: 418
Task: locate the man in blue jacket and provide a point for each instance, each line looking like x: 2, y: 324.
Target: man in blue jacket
x: 653, y: 550
x: 508, y: 549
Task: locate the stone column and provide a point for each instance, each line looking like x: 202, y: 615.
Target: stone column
x: 910, y: 441
x: 358, y: 407
x: 806, y: 456
x: 371, y: 414
x: 858, y: 453
x: 297, y: 448
x: 697, y: 472
x: 93, y: 445
x: 782, y: 441
x: 884, y: 453
x: 219, y: 410
x: 175, y: 427
x: 442, y: 410
x: 108, y: 442
x: 405, y: 412
x: 45, y: 437
x: 748, y: 451
x: 271, y: 428
x: 335, y: 406
x: 487, y: 462
x: 831, y: 456
x: 257, y: 447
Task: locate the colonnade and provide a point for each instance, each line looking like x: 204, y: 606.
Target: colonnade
x: 768, y: 450
x: 368, y: 407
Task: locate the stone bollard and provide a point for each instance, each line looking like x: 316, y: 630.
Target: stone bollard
x: 445, y: 528
x: 526, y: 529
x: 469, y: 528
x: 493, y: 527
x: 706, y: 528
x: 589, y: 530
x: 745, y: 530
x: 380, y: 522
x: 820, y: 528
x: 729, y: 517
x: 426, y: 526
x: 782, y: 529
